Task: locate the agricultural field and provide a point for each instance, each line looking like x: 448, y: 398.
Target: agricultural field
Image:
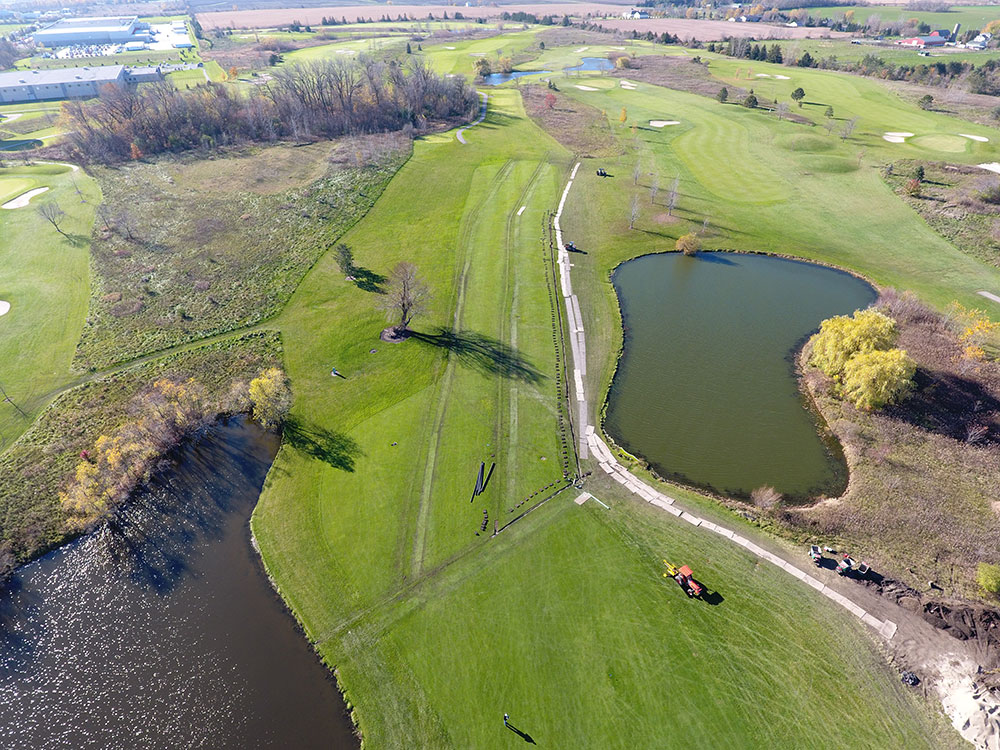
x: 844, y: 51
x: 972, y: 17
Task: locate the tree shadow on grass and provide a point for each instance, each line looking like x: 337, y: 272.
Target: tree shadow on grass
x: 368, y: 281
x: 482, y: 353
x: 334, y: 448
x: 77, y: 240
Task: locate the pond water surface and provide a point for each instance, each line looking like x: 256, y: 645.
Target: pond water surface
x: 495, y: 79
x: 160, y: 630
x: 706, y: 389
x: 593, y: 63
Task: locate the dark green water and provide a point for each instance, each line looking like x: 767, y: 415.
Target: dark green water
x: 706, y: 389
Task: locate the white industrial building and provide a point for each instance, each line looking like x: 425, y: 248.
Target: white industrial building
x: 63, y: 83
x: 102, y: 30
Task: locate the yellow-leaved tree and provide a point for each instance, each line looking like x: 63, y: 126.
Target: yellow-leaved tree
x: 842, y: 337
x: 270, y: 397
x: 876, y: 378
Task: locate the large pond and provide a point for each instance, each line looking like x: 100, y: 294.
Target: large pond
x: 706, y: 389
x: 161, y: 630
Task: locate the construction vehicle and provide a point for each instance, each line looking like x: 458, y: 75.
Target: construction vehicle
x: 685, y: 579
x: 816, y: 555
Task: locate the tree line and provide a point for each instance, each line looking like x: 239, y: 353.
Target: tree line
x: 322, y: 99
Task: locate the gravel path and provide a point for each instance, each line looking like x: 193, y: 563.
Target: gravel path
x: 482, y: 116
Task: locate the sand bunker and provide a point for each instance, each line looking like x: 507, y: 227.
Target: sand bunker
x: 585, y: 88
x: 582, y: 49
x: 980, y: 138
x: 783, y: 78
x: 4, y: 307
x: 993, y: 166
x: 628, y: 85
x: 663, y: 123
x: 22, y: 200
x: 763, y: 75
x: 449, y: 48
x: 896, y: 136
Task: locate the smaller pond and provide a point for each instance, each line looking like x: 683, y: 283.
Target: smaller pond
x: 495, y: 79
x: 706, y: 389
x: 593, y: 63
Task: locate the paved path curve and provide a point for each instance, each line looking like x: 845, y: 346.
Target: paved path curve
x: 482, y: 116
x: 590, y: 442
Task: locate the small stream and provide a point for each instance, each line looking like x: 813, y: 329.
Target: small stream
x: 160, y: 630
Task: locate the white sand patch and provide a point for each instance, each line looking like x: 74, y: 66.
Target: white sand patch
x: 12, y: 116
x: 899, y: 134
x: 346, y: 52
x: 663, y: 123
x: 973, y: 710
x: 763, y: 75
x: 585, y: 88
x: 449, y: 48
x: 980, y: 138
x: 628, y: 85
x: 582, y: 49
x: 894, y: 138
x: 783, y: 78
x: 4, y: 307
x: 993, y: 166
x: 22, y: 200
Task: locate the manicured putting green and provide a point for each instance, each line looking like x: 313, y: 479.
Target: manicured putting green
x: 954, y: 144
x: 11, y: 187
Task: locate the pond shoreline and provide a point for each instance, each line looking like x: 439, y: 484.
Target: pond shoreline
x: 832, y: 444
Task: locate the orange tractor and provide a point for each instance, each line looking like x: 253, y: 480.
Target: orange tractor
x: 685, y: 579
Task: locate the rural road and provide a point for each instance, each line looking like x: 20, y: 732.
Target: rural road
x: 945, y: 664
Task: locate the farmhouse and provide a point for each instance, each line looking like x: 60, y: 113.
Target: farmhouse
x: 64, y: 83
x: 635, y: 15
x: 98, y: 30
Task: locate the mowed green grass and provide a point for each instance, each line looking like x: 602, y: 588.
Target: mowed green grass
x: 563, y: 620
x: 45, y: 278
x: 780, y: 186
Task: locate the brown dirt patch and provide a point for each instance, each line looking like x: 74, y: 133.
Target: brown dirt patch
x: 665, y: 219
x: 920, y: 504
x: 706, y: 31
x: 672, y: 72
x: 579, y: 127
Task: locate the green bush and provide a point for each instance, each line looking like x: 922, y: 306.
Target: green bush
x: 988, y: 578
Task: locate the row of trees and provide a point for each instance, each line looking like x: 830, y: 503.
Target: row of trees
x: 322, y: 99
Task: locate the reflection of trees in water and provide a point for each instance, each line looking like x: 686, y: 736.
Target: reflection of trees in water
x: 152, y: 538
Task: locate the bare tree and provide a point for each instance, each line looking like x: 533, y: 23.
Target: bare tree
x: 782, y: 110
x: 654, y: 188
x: 633, y: 214
x: 672, y: 196
x: 51, y: 212
x: 407, y: 296
x: 848, y: 128
x: 829, y: 124
x: 636, y: 174
x: 704, y: 226
x: 104, y: 214
x: 125, y: 224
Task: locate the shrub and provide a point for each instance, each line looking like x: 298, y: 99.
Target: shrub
x: 988, y: 578
x: 877, y: 378
x: 912, y: 188
x: 990, y: 193
x: 750, y: 102
x: 724, y: 94
x: 688, y: 243
x: 765, y: 497
x: 926, y: 102
x: 842, y: 337
x: 270, y: 397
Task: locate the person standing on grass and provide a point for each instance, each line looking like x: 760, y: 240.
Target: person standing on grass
x: 505, y: 717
